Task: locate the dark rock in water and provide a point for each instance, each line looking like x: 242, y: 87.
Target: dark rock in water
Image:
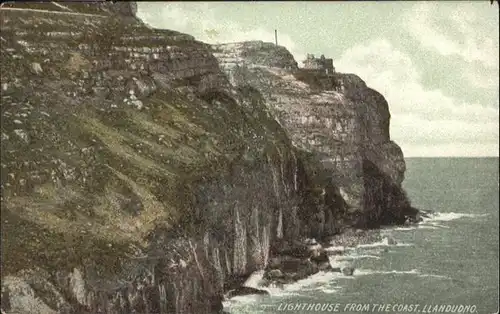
x: 245, y: 291
x: 275, y: 273
x: 298, y: 251
x: 324, y: 266
x: 410, y: 220
x: 274, y: 262
x: 320, y: 258
x: 311, y: 241
x: 293, y: 268
x: 292, y: 264
x: 234, y: 281
x: 348, y: 271
x: 391, y: 241
x: 354, y: 237
x: 315, y: 250
x: 335, y: 251
x: 336, y: 269
x: 279, y: 247
x: 290, y: 277
x: 278, y: 283
x: 426, y: 213
x: 301, y: 249
x: 417, y: 216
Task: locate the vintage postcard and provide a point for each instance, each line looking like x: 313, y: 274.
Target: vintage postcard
x: 249, y: 157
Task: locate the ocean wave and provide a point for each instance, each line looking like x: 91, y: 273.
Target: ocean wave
x: 319, y: 281
x: 364, y: 272
x: 432, y: 226
x: 254, y: 279
x: 331, y: 290
x: 335, y: 249
x: 241, y: 303
x: 357, y: 256
x: 384, y: 242
x: 434, y: 276
x: 435, y: 225
x: 337, y: 261
x: 404, y: 228
x: 243, y: 299
x: 441, y: 216
x: 319, y: 278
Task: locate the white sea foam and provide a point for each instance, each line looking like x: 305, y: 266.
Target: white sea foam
x: 356, y: 256
x: 243, y: 299
x: 434, y: 225
x: 434, y: 276
x: 325, y: 281
x: 319, y: 280
x: 451, y: 216
x: 426, y: 225
x: 335, y: 249
x: 331, y: 290
x: 404, y: 228
x: 254, y: 279
x: 337, y: 261
x: 383, y: 242
x: 436, y: 219
x: 364, y: 272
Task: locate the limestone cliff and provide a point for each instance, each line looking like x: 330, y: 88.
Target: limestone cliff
x: 335, y: 117
x: 139, y: 177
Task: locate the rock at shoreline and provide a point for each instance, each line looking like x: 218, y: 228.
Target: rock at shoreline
x: 352, y: 238
x: 336, y: 250
x: 245, y: 291
x: 348, y: 271
x: 291, y: 268
x: 391, y: 241
x: 426, y: 213
x: 322, y: 257
x: 234, y: 282
x: 275, y: 273
x: 315, y: 250
x: 324, y: 266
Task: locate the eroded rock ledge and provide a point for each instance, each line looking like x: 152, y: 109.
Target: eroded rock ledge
x: 142, y: 171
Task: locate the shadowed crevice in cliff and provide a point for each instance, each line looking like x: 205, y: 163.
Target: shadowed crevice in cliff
x: 386, y: 203
x: 323, y: 210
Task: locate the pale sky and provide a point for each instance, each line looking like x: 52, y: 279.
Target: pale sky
x: 435, y: 62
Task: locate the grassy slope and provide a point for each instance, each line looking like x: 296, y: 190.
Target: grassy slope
x: 92, y: 181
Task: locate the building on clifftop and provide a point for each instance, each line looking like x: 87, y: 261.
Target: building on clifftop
x: 319, y: 64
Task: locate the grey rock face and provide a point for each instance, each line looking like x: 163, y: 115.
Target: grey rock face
x: 348, y: 271
x: 337, y: 118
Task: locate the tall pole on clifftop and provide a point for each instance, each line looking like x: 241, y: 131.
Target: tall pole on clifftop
x: 276, y: 36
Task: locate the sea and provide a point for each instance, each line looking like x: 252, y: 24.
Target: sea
x: 447, y: 264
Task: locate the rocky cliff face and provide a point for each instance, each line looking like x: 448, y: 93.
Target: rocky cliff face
x: 337, y: 118
x: 139, y: 177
